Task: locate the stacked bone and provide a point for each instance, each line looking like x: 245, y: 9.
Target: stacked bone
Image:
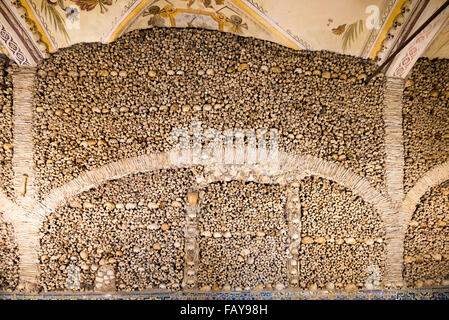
x: 97, y: 103
x: 342, y: 238
x: 243, y: 237
x: 9, y: 259
x: 426, y: 247
x: 426, y: 124
x: 134, y: 224
x: 6, y: 148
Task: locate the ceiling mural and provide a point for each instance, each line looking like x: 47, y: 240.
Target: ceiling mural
x: 354, y: 27
x: 319, y: 25
x: 328, y: 24
x: 4, y: 51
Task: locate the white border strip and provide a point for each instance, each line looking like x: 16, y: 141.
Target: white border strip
x: 23, y: 25
x: 107, y: 38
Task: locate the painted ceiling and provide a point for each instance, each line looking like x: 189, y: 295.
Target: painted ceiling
x: 355, y: 27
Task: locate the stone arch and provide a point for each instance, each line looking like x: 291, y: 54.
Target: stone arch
x: 57, y: 162
x: 401, y: 220
x: 295, y: 167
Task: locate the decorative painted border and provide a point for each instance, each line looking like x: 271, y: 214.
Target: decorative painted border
x: 399, y: 33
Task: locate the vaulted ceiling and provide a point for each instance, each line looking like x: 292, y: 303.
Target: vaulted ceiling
x: 365, y: 28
